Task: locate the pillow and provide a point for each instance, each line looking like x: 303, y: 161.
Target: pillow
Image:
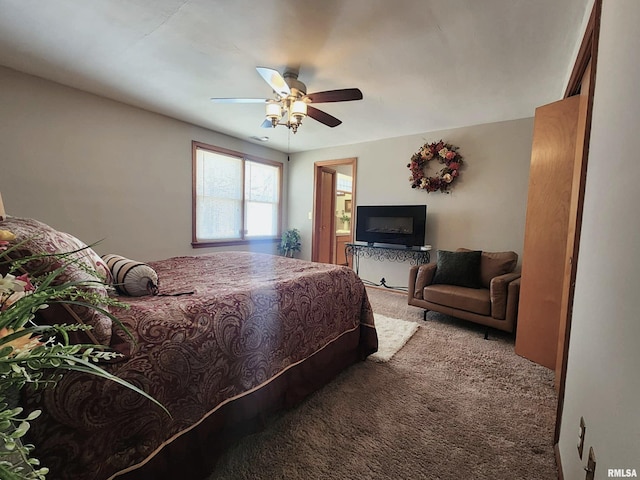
x: 85, y: 265
x: 493, y: 264
x: 458, y: 268
x: 130, y: 277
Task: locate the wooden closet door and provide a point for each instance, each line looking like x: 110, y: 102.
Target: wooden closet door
x: 551, y: 180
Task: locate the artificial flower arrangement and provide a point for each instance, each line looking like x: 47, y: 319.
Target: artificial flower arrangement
x: 38, y: 355
x: 445, y: 154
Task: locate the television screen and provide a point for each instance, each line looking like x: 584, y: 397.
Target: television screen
x: 393, y: 224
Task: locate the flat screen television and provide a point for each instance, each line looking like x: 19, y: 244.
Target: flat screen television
x: 393, y: 224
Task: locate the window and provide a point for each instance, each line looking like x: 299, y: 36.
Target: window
x: 343, y: 183
x: 236, y: 197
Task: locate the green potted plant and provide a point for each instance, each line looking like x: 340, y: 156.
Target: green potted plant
x: 289, y: 243
x: 345, y: 218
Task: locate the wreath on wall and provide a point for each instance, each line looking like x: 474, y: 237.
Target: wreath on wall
x: 444, y: 153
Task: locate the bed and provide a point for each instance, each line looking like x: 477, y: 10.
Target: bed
x: 231, y: 338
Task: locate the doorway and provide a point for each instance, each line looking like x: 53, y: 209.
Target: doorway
x: 582, y: 84
x: 334, y: 200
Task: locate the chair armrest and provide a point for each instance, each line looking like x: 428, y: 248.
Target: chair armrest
x: 499, y: 291
x: 513, y: 300
x: 419, y: 277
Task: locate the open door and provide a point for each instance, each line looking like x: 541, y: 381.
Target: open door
x: 547, y: 227
x: 581, y: 83
x: 324, y: 223
x: 331, y: 227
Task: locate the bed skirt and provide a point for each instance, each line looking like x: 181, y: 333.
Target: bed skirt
x: 194, y: 454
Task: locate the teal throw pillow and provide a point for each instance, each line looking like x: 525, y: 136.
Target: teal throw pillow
x: 458, y: 268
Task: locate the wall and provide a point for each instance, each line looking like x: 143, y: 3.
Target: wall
x: 486, y: 209
x: 108, y: 172
x: 603, y: 383
x: 100, y: 169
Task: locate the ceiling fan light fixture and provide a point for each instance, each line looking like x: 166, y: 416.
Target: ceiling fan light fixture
x: 274, y: 110
x: 297, y: 113
x: 299, y: 109
x: 291, y: 103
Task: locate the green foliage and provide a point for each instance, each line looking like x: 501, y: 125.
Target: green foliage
x: 40, y: 355
x: 289, y: 243
x: 15, y: 463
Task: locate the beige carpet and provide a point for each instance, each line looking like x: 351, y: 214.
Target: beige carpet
x: 393, y: 333
x: 449, y: 405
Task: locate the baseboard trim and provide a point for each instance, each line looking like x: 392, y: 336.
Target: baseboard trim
x: 387, y: 289
x: 556, y: 449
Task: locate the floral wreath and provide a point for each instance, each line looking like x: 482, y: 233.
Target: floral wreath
x: 446, y: 154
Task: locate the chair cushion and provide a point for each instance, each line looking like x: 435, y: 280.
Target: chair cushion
x: 493, y: 264
x: 474, y: 300
x: 458, y: 268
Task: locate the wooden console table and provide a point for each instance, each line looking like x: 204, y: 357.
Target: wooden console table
x: 393, y: 253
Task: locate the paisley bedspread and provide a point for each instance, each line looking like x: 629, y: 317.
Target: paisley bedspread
x: 226, y: 325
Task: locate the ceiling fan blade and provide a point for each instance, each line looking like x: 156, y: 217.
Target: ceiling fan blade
x: 239, y: 100
x: 323, y: 117
x: 342, y: 95
x: 275, y: 81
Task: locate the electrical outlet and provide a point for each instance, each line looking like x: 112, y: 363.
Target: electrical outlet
x: 581, y: 432
x: 591, y: 465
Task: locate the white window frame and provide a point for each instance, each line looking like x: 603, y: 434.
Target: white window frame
x: 242, y: 237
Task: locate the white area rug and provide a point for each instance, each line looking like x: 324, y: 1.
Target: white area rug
x: 392, y: 335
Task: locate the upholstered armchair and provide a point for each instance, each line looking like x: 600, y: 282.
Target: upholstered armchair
x: 480, y: 287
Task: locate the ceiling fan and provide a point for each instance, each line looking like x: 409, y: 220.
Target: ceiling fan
x: 292, y: 103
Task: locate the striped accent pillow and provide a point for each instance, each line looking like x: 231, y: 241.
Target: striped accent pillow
x: 132, y: 278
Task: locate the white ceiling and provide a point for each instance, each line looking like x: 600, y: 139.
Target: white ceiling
x: 422, y: 65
